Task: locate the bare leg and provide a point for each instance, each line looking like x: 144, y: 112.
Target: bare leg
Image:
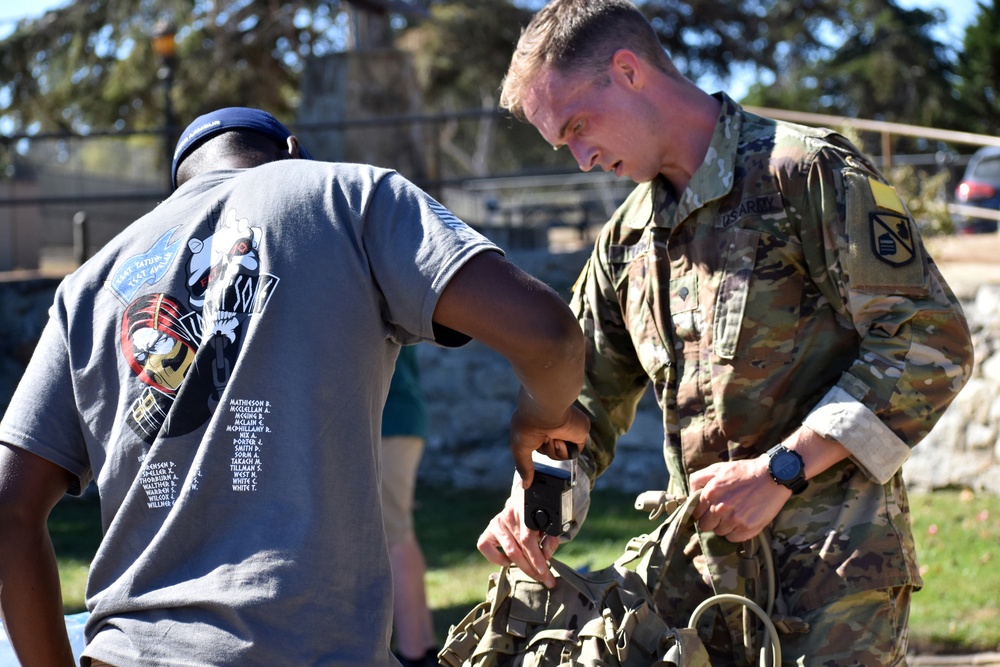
x: 411, y: 617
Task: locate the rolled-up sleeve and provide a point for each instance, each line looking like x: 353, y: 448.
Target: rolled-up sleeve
x: 879, y: 451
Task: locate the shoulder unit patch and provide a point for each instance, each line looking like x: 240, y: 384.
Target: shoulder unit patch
x: 884, y: 249
x: 892, y: 238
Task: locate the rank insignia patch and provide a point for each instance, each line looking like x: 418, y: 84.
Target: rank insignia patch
x: 893, y: 241
x: 885, y: 196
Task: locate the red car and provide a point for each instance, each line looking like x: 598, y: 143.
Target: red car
x: 980, y: 187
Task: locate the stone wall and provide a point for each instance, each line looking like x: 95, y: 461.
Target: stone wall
x: 963, y: 450
x: 472, y: 391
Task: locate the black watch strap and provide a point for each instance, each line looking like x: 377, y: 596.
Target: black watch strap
x: 787, y: 468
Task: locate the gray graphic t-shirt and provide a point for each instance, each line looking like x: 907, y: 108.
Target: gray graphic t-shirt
x: 219, y: 370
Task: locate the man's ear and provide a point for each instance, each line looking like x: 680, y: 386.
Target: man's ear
x: 293, y: 147
x: 627, y: 64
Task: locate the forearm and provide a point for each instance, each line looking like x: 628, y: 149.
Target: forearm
x: 551, y: 377
x: 546, y: 350
x: 31, y: 598
x: 546, y: 419
x: 841, y: 418
x: 524, y: 320
x: 818, y: 453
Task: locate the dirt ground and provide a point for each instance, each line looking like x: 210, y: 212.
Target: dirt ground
x: 967, y: 261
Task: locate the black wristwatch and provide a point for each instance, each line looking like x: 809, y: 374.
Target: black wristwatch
x: 787, y: 469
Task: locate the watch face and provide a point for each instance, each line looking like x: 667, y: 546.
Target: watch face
x: 785, y: 466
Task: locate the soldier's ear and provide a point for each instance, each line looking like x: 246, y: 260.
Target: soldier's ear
x: 629, y: 66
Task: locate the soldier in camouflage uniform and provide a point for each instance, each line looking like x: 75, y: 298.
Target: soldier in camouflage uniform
x: 774, y: 289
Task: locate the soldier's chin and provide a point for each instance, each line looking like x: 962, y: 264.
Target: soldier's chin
x: 637, y: 177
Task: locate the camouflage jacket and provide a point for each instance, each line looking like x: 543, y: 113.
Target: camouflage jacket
x: 786, y: 285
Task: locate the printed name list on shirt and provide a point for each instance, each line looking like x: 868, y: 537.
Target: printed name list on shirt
x: 248, y: 431
x: 159, y: 481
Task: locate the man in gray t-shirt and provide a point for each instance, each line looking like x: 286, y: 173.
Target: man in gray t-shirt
x: 219, y: 370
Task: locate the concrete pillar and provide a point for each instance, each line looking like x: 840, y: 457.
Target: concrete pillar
x: 364, y: 85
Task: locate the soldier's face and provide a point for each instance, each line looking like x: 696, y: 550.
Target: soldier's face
x: 605, y: 121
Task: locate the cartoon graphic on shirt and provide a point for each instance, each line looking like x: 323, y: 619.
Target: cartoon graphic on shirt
x: 159, y: 340
x: 182, y: 347
x: 144, y: 269
x: 162, y: 344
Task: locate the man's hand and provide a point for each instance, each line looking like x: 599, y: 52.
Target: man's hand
x: 528, y: 435
x: 738, y: 499
x: 508, y: 541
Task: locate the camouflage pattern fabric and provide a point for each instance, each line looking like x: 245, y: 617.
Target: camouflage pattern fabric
x: 836, y: 632
x: 786, y: 273
x: 602, y: 618
x: 608, y: 617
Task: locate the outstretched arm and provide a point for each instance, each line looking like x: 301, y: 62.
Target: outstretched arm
x: 30, y: 597
x: 493, y: 301
x: 503, y: 307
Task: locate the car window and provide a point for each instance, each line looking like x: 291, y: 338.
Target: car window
x: 988, y: 169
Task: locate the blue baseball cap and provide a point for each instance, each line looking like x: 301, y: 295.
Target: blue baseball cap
x: 224, y: 120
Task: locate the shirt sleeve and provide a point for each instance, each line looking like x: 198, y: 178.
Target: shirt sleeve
x: 864, y: 252
x: 615, y: 379
x: 413, y: 243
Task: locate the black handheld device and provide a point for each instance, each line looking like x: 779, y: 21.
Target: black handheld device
x: 548, y: 502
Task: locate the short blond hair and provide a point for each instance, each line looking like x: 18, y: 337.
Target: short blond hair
x: 579, y: 36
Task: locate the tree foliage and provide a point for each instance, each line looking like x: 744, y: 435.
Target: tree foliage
x: 463, y: 49
x: 979, y: 70
x: 461, y: 54
x: 91, y: 65
x: 884, y: 63
x: 707, y: 38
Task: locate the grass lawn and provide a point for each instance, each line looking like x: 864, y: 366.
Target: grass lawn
x: 958, y: 545
x: 957, y: 533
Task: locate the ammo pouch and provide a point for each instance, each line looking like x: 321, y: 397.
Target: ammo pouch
x: 605, y: 618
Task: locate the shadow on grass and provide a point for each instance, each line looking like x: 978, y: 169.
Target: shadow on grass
x: 446, y: 617
x: 449, y: 521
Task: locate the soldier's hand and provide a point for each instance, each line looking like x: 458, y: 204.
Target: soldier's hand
x: 738, y: 498
x: 507, y: 541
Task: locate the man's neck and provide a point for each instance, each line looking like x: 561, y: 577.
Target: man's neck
x: 691, y: 115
